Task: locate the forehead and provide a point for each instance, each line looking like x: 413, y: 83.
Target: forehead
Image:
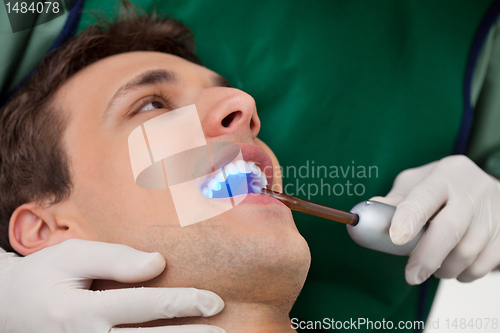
x: 128, y: 63
x: 104, y: 77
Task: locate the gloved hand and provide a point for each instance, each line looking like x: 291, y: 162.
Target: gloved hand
x: 47, y: 291
x: 463, y: 240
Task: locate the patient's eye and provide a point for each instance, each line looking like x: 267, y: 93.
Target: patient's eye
x: 153, y: 102
x: 152, y: 106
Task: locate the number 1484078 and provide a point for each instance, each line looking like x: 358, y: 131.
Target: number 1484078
x: 40, y: 7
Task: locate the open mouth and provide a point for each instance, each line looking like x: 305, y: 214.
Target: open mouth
x: 238, y: 174
x: 236, y: 178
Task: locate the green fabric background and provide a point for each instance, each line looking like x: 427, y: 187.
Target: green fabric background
x: 342, y: 83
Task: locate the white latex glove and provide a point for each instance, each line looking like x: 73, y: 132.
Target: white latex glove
x: 462, y: 241
x: 47, y: 291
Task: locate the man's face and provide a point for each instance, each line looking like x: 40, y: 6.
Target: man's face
x: 254, y: 244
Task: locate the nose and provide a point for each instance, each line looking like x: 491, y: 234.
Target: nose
x: 228, y: 114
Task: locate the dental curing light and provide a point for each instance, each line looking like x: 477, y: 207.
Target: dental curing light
x: 368, y: 222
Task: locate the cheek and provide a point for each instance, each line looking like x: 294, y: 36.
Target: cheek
x: 116, y: 208
x: 125, y: 217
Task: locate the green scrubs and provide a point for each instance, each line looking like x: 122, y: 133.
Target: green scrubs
x: 350, y: 93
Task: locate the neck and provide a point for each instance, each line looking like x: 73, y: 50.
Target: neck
x: 242, y: 318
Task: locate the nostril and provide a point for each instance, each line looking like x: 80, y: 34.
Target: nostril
x: 226, y: 122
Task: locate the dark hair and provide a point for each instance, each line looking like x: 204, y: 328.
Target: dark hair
x: 33, y: 164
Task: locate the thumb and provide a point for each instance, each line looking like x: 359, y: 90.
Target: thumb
x: 421, y: 203
x: 139, y: 305
x: 106, y: 261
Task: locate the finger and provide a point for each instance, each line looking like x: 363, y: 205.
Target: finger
x: 415, y: 210
x: 485, y: 262
x: 130, y: 306
x: 171, y: 329
x: 404, y: 183
x: 440, y: 238
x: 465, y: 253
x: 97, y: 260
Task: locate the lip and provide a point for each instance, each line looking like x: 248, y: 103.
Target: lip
x: 261, y: 199
x: 256, y: 199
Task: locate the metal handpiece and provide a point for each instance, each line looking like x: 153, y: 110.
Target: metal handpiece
x: 368, y: 222
x: 372, y: 230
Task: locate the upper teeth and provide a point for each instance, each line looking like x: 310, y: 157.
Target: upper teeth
x: 238, y: 167
x: 242, y: 166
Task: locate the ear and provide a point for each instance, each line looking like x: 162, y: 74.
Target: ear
x: 33, y: 227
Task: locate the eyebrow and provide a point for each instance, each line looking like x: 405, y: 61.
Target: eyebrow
x: 154, y: 77
x: 148, y: 78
